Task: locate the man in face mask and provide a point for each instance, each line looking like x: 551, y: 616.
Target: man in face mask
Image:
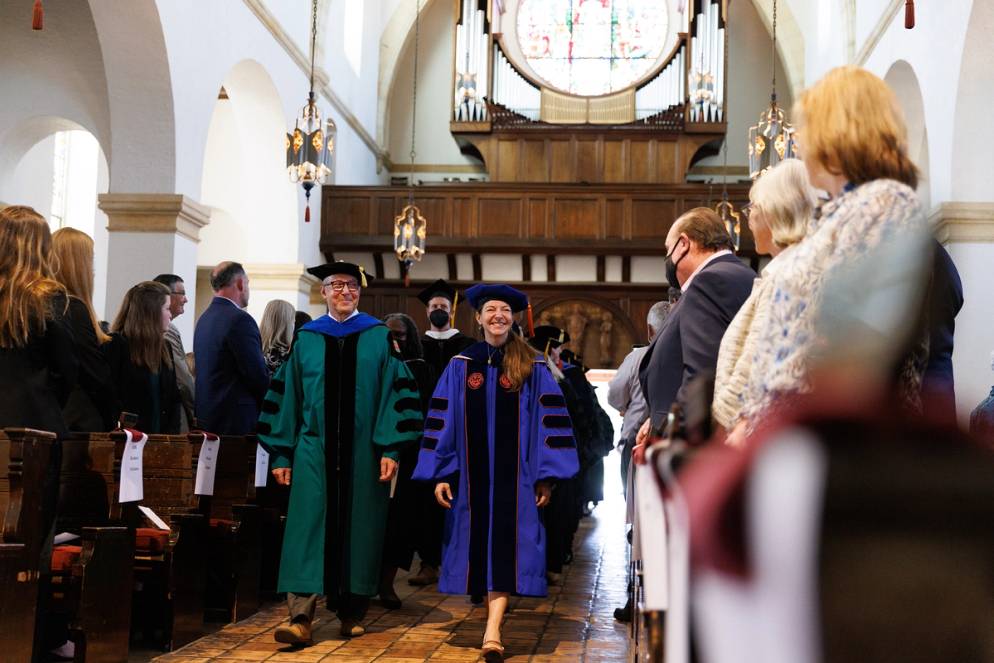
x: 439, y: 344
x: 714, y: 284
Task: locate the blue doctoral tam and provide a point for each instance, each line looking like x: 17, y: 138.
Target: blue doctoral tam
x: 481, y: 293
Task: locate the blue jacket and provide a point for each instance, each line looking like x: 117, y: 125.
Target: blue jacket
x: 687, y: 345
x: 232, y: 377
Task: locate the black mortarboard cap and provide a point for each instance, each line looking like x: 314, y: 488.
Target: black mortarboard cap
x: 342, y: 267
x: 439, y: 288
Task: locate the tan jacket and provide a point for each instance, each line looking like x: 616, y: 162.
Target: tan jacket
x: 184, y: 380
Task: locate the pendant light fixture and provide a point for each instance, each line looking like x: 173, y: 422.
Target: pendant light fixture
x: 772, y: 140
x: 310, y: 148
x: 410, y: 228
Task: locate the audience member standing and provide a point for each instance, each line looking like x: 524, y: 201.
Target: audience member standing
x: 141, y: 363
x: 945, y: 299
x: 277, y: 333
x: 38, y: 366
x: 982, y: 417
x: 714, y: 284
x: 782, y: 202
x: 853, y: 141
x: 232, y: 377
x: 91, y: 405
x: 184, y: 378
x: 624, y: 392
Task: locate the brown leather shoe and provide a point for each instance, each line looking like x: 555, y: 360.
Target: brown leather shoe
x: 297, y: 633
x: 426, y: 576
x: 351, y: 628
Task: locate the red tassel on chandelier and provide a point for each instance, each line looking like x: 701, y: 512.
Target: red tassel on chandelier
x: 38, y: 16
x: 909, y: 14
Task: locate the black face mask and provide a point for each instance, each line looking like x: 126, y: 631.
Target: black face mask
x: 671, y: 266
x: 439, y: 317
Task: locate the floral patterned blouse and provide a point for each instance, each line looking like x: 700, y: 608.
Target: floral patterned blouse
x: 842, y: 229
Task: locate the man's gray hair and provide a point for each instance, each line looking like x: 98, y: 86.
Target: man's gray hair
x: 657, y: 315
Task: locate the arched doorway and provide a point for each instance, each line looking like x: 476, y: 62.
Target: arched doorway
x: 254, y: 217
x: 902, y: 80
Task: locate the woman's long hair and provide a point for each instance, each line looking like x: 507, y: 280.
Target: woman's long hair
x: 140, y: 322
x: 277, y: 325
x: 73, y: 250
x: 26, y: 275
x: 518, y: 359
x: 412, y: 345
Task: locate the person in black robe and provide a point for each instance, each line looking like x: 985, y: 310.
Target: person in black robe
x: 439, y: 344
x: 409, y: 510
x: 562, y: 515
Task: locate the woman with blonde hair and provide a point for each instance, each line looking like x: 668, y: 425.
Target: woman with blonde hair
x: 853, y: 142
x: 780, y: 206
x: 91, y: 404
x: 277, y: 333
x: 497, y: 434
x: 37, y: 363
x: 141, y: 361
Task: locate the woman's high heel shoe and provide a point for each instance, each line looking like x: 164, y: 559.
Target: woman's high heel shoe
x: 493, y: 651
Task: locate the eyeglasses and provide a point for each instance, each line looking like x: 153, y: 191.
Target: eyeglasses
x: 340, y: 286
x: 179, y: 293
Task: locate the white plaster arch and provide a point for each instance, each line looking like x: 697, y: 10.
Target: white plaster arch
x: 142, y: 146
x: 973, y: 131
x: 244, y: 180
x: 393, y: 40
x: 903, y: 80
x: 790, y: 40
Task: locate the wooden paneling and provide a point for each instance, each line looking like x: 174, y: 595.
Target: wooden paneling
x: 651, y: 219
x: 565, y: 155
x: 499, y: 217
x: 508, y: 161
x: 588, y: 168
x: 538, y: 217
x: 560, y: 162
x: 577, y: 218
x: 614, y: 218
x: 614, y: 161
x: 534, y: 167
x: 591, y: 219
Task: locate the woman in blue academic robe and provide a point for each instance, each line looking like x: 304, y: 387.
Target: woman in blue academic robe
x: 496, y: 438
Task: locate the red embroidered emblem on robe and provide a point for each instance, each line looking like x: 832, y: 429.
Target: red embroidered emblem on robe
x: 475, y: 380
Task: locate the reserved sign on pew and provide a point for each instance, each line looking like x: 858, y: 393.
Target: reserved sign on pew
x: 132, y: 481
x: 207, y: 465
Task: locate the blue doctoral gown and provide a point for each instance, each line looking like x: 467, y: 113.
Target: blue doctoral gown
x: 492, y: 445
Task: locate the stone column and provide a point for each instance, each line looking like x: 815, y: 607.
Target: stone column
x: 269, y: 281
x: 966, y: 229
x: 151, y: 234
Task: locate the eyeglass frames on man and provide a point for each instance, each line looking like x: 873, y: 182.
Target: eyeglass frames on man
x: 340, y: 286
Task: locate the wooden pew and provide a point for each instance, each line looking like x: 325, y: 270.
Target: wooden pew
x: 236, y: 539
x: 26, y: 532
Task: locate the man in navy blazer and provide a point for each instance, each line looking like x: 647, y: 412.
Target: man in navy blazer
x: 232, y: 377
x: 715, y: 284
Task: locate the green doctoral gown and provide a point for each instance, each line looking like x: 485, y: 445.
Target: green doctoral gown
x: 341, y: 401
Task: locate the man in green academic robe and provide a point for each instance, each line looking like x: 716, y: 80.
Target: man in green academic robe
x: 336, y: 416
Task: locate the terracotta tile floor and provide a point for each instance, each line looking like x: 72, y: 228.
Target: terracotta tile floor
x: 575, y: 623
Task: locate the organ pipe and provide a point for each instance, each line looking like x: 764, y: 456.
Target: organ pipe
x: 472, y: 48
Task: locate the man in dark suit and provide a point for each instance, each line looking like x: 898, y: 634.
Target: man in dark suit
x: 715, y: 284
x: 232, y: 377
x: 945, y: 299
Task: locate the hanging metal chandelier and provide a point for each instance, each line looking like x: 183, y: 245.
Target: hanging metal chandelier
x: 772, y: 140
x: 310, y: 147
x: 410, y: 228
